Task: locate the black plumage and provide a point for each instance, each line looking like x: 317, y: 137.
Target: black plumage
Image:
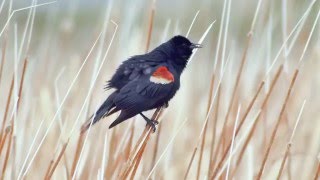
x: 145, y: 82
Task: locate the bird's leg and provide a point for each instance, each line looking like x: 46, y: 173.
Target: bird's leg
x: 150, y: 122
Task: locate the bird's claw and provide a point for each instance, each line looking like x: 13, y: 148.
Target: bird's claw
x: 152, y: 124
x: 165, y: 105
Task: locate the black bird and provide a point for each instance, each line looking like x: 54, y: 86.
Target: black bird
x: 146, y: 82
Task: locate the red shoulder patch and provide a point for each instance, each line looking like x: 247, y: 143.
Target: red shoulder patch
x: 162, y: 76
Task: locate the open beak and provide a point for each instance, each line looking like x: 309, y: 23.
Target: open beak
x: 195, y: 45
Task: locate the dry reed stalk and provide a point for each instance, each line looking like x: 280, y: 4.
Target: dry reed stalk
x: 273, y: 83
x: 127, y: 152
x: 150, y: 26
x: 233, y: 140
x: 241, y: 154
x: 143, y: 139
x: 284, y: 161
x: 244, y: 57
x: 211, y: 92
x: 263, y: 106
x: 245, y: 146
x: 190, y: 162
x: 114, y: 139
x: 289, y: 166
x: 192, y: 22
x: 287, y: 152
x: 239, y: 127
x: 221, y: 172
x: 11, y: 13
x: 201, y: 150
x: 7, y: 109
x: 51, y: 164
x: 13, y: 156
x: 112, y: 150
x: 206, y: 121
x: 212, y: 157
x: 110, y: 167
x: 3, y: 57
x: 12, y: 119
x: 138, y: 160
x: 4, y: 139
x: 274, y: 132
x: 8, y: 151
x: 77, y: 154
x: 114, y: 167
x: 206, y: 126
x: 156, y: 146
x: 133, y: 161
x: 128, y: 149
x: 127, y: 136
x: 166, y: 148
x: 67, y: 94
x: 22, y: 81
x: 66, y: 166
x: 56, y: 162
x: 317, y: 175
x: 109, y: 171
x: 48, y: 170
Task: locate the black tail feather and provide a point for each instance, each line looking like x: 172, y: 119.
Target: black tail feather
x: 103, y: 111
x: 124, y: 115
x: 112, y: 111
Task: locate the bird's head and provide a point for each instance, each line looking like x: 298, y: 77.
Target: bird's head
x: 183, y: 48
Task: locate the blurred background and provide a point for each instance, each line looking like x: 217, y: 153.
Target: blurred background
x: 56, y: 57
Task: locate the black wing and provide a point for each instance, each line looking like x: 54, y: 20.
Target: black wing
x: 142, y: 95
x: 133, y: 69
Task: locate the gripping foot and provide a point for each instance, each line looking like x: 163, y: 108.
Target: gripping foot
x: 150, y: 122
